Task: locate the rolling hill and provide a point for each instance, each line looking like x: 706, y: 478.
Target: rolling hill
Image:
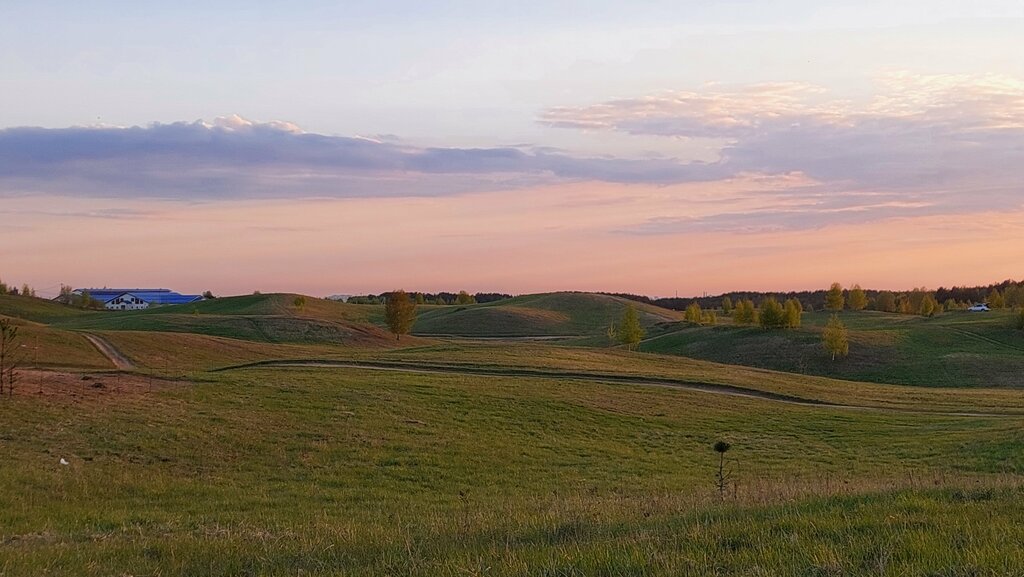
x: 39, y: 310
x: 950, y: 350
x: 540, y: 315
x: 272, y: 318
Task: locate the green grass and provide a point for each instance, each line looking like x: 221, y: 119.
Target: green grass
x: 287, y: 471
x: 174, y: 353
x: 950, y: 350
x: 41, y: 346
x: 552, y: 314
x: 263, y: 318
x: 277, y: 472
x: 38, y: 310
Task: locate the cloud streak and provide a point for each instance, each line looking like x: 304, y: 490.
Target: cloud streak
x: 236, y: 158
x: 934, y: 144
x: 922, y: 145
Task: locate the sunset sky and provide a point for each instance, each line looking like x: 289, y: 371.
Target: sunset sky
x: 649, y: 147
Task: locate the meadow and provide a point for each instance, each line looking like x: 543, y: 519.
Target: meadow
x: 955, y: 349
x: 522, y: 458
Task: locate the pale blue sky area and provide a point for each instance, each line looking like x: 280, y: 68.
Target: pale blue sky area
x: 470, y: 73
x: 513, y: 146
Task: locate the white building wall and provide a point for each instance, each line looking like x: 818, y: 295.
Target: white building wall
x: 126, y: 302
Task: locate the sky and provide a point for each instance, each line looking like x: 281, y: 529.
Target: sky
x: 657, y: 148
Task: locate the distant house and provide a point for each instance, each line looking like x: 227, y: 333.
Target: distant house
x: 137, y: 299
x: 979, y: 308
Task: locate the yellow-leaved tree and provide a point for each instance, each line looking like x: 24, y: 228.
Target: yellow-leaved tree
x: 835, y: 338
x: 792, y: 310
x: 858, y: 300
x: 834, y: 299
x: 694, y: 313
x: 400, y: 311
x: 630, y: 332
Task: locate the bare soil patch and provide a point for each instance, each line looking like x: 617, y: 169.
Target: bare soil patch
x: 68, y: 386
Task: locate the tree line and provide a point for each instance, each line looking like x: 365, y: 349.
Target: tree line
x: 1006, y: 294
x: 81, y: 299
x: 14, y: 290
x: 441, y: 298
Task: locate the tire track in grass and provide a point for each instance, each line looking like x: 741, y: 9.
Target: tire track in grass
x: 108, y: 350
x: 697, y: 386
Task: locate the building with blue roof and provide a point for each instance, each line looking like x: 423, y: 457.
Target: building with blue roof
x: 137, y: 299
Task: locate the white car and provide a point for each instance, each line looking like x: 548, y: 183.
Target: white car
x: 979, y: 308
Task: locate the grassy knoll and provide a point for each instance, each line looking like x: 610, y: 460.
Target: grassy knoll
x: 950, y: 350
x: 621, y: 362
x: 261, y: 318
x: 320, y: 472
x: 551, y: 314
x: 39, y: 310
x: 183, y: 352
x: 42, y: 346
x: 177, y: 353
x: 281, y: 304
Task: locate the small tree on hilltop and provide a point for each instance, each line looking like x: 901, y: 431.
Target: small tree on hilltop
x: 835, y: 338
x: 834, y: 299
x: 792, y: 315
x: 300, y: 302
x: 465, y: 298
x: 929, y: 306
x: 630, y: 331
x: 858, y: 300
x: 400, y: 311
x: 66, y: 295
x: 745, y: 313
x: 772, y: 314
x: 693, y: 313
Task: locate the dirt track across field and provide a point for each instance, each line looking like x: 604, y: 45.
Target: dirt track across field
x: 714, y: 388
x: 110, y: 351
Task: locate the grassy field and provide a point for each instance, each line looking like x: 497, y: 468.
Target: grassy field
x: 41, y: 345
x: 38, y: 310
x: 552, y: 314
x: 543, y: 466
x: 280, y: 472
x: 956, y: 349
x: 270, y: 318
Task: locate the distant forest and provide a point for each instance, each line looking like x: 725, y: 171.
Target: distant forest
x: 441, y: 298
x: 1006, y: 293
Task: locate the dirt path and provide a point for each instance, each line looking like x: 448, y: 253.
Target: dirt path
x: 110, y: 351
x: 500, y: 338
x: 714, y: 388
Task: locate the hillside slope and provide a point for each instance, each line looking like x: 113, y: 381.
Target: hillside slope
x: 39, y: 310
x: 272, y: 318
x: 540, y: 315
x: 950, y: 350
